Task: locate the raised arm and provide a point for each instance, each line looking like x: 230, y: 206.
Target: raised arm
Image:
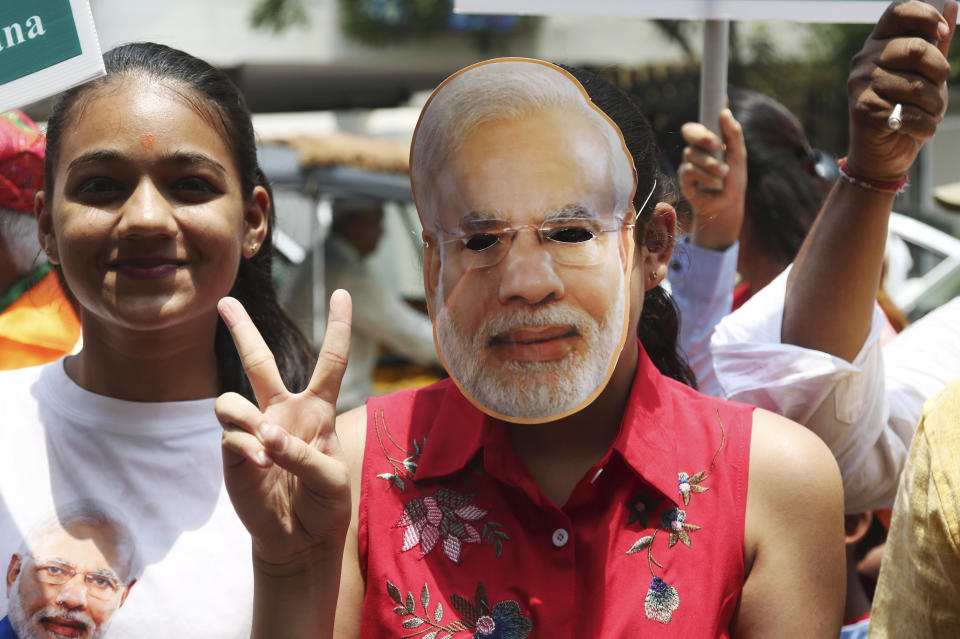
x: 288, y: 478
x: 833, y: 286
x: 715, y: 188
x: 704, y: 265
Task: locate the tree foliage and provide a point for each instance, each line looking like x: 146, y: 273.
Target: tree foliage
x: 278, y: 15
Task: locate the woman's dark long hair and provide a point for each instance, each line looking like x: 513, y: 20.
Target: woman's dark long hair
x: 659, y: 324
x: 785, y: 191
x: 218, y: 100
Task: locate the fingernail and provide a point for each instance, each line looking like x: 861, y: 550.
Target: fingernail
x: 337, y: 296
x: 263, y: 458
x: 724, y: 169
x: 227, y: 312
x: 943, y: 29
x: 274, y: 437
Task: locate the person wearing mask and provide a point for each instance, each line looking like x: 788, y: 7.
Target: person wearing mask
x: 566, y: 456
x: 863, y: 400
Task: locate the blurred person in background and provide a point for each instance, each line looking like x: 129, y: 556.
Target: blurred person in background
x: 38, y: 322
x: 778, y: 197
x: 918, y: 592
x: 380, y: 315
x: 753, y: 209
x: 856, y: 611
x: 750, y: 211
x: 864, y: 409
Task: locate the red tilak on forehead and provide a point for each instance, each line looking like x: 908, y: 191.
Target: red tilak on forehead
x: 146, y: 141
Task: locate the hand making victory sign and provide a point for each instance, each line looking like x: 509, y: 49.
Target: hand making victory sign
x: 285, y: 470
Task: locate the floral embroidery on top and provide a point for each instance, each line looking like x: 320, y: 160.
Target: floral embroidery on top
x: 445, y: 515
x: 675, y: 520
x: 640, y: 507
x: 663, y: 599
x: 688, y: 484
x: 403, y: 469
x: 503, y: 621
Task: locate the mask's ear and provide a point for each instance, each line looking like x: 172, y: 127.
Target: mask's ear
x: 256, y: 219
x: 657, y: 246
x: 126, y: 592
x: 627, y: 246
x: 45, y: 232
x: 12, y: 571
x: 431, y: 270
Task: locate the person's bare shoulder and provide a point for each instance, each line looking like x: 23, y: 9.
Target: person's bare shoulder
x: 794, y: 478
x: 793, y: 537
x: 789, y: 462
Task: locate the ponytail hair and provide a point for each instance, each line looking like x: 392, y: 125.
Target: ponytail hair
x: 659, y: 325
x: 254, y: 288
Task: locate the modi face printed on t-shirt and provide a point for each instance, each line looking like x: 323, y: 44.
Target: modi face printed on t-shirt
x: 524, y: 189
x: 71, y: 574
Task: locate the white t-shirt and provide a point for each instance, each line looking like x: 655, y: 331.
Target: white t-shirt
x: 157, y: 465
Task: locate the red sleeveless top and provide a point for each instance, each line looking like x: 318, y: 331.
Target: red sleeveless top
x: 457, y: 541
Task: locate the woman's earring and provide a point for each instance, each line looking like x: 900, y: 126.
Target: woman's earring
x: 253, y: 249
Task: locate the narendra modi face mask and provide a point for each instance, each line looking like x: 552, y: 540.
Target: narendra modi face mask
x: 524, y: 188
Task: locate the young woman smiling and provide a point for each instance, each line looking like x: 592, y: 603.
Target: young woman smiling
x: 154, y: 209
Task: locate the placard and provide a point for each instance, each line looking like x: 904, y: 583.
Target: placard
x: 866, y: 11
x: 46, y: 46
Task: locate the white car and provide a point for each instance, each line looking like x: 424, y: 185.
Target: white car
x: 923, y: 266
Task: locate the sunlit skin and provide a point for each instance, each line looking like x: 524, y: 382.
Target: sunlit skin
x: 149, y: 236
x: 522, y: 171
x: 88, y: 549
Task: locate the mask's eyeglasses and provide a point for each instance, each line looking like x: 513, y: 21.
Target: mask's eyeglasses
x: 646, y: 201
x: 572, y: 241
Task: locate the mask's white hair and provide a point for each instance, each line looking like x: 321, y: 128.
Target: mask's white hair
x: 93, y: 513
x: 506, y: 90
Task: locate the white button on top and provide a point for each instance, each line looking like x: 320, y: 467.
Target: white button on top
x: 560, y: 537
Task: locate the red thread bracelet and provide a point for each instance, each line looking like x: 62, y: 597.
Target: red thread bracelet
x: 874, y: 185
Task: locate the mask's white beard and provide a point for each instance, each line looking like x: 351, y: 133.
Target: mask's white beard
x: 533, y: 390
x: 31, y: 628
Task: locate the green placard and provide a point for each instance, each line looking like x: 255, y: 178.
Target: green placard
x: 34, y: 35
